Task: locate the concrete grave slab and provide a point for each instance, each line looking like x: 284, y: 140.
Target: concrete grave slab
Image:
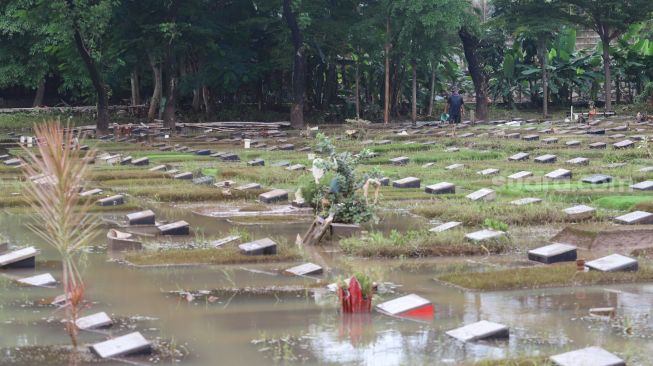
x: 559, y: 174
x: 20, y: 258
x: 305, y: 269
x: 590, y: 356
x: 578, y: 161
x: 646, y: 185
x: 180, y: 227
x: 264, y: 246
x: 13, y: 162
x: 526, y: 201
x: 446, y: 226
x: 275, y: 195
x: 480, y: 330
x: 646, y: 169
x: 635, y: 218
x: 455, y: 166
x: 111, y: 201
x: 411, y: 305
x: 204, y: 180
x: 45, y: 279
x: 615, y: 165
x: 128, y: 344
x: 183, y: 176
x: 598, y: 145
x: 402, y: 160
x: 485, y: 234
x: 488, y: 171
x: 339, y: 230
x: 256, y: 162
x: 230, y: 157
x: 613, y: 263
x: 519, y: 156
x: 141, y: 161
x: 572, y: 143
x: 91, y: 192
x: 550, y: 140
x: 94, y: 321
x: 625, y: 144
x: 483, y: 194
x: 145, y: 217
x: 248, y: 186
x: 553, y: 253
x: 597, y: 179
x: 579, y: 212
x: 296, y: 168
x: 203, y: 152
x: 281, y: 164
x: 520, y: 175
x: 451, y: 149
x: 427, y: 165
x: 158, y: 168
x: 441, y: 188
x: 408, y: 182
x: 546, y: 159
x: 531, y: 138
x: 126, y: 160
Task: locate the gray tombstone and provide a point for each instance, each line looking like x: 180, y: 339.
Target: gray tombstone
x: 183, y: 176
x: 590, y: 356
x: 553, y: 253
x: 635, y: 218
x: 579, y: 212
x: 408, y: 182
x: 128, y: 344
x: 446, y: 226
x: 597, y: 179
x: 519, y: 156
x: 480, y: 330
x: 305, y: 269
x: 275, y: 195
x: 264, y: 246
x: 111, y: 201
x: 145, y: 217
x: 546, y: 159
x: 180, y: 227
x: 441, y: 188
x: 646, y: 185
x: 613, y: 263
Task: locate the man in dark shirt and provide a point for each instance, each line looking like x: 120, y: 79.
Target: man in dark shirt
x: 455, y: 106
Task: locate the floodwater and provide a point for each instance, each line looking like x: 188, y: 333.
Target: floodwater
x: 262, y: 330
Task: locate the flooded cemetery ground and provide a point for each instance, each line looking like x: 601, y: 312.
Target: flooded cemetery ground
x: 458, y: 220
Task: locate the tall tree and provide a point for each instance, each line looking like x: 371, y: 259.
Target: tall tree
x: 609, y: 19
x: 299, y: 66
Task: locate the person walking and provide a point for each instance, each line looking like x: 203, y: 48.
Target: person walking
x: 455, y: 107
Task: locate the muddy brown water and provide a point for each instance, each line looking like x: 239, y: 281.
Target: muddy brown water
x: 232, y: 330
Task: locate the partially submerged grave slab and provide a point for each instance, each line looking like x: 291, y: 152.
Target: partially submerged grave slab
x: 613, y: 263
x: 553, y: 253
x: 111, y: 201
x: 94, y: 321
x: 44, y: 279
x: 408, y: 182
x: 590, y: 356
x: 413, y: 306
x: 483, y: 194
x: 635, y: 218
x: 446, y: 226
x: 579, y: 212
x: 480, y: 330
x: 340, y: 230
x: 441, y: 188
x: 275, y: 195
x: 145, y: 217
x: 485, y: 234
x: 305, y: 269
x: 128, y: 344
x: 546, y: 159
x: 597, y: 179
x: 180, y: 227
x: 646, y: 185
x: 559, y: 174
x: 264, y: 246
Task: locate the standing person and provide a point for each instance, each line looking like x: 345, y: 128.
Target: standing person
x: 455, y: 107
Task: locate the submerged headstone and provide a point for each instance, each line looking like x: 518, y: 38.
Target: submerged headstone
x: 180, y: 227
x: 408, y: 182
x: 111, y: 201
x: 407, y: 306
x: 480, y: 330
x: 264, y: 246
x: 305, y: 269
x: 145, y: 217
x: 613, y: 263
x: 590, y: 356
x: 553, y: 253
x: 296, y: 167
x: 94, y: 321
x: 402, y: 160
x: 39, y: 280
x: 122, y: 346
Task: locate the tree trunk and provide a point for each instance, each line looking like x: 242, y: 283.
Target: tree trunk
x: 413, y: 115
x: 432, y: 90
x: 358, y: 93
x: 299, y: 67
x: 169, y: 118
x: 40, y: 93
x: 156, y: 94
x: 386, y: 102
x: 102, y: 124
x: 206, y: 97
x: 545, y: 80
x: 135, y: 87
x: 617, y: 84
x: 607, y: 87
x: 470, y: 45
x: 196, y: 100
x: 331, y: 86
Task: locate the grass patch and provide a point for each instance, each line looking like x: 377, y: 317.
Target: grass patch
x: 521, y: 361
x: 189, y: 193
x: 415, y: 244
x: 558, y: 275
x: 210, y: 256
x: 624, y: 202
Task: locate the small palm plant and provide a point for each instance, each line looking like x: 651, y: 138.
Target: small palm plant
x: 62, y: 219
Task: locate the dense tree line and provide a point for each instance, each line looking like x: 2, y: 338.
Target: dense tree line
x: 374, y: 59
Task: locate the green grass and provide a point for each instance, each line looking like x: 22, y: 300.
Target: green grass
x: 210, y: 256
x: 415, y: 244
x: 624, y: 203
x: 558, y: 275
